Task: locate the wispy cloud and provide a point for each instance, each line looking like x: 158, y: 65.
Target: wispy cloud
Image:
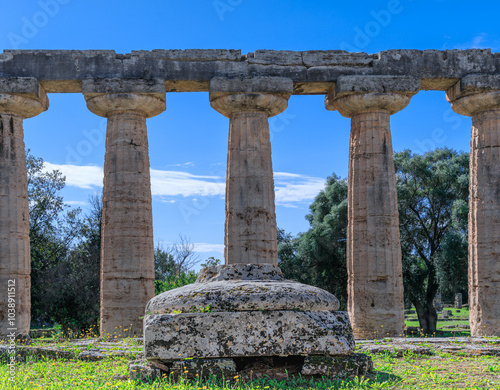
x: 291, y: 189
x: 184, y: 165
x: 76, y: 203
x: 481, y: 41
x: 175, y: 183
x: 202, y: 247
x: 87, y: 176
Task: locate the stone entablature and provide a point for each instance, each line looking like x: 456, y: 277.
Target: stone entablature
x: 191, y: 70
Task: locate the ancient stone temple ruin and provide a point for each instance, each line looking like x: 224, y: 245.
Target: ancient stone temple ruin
x: 246, y: 308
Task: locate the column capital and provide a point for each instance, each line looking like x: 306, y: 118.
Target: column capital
x: 107, y: 96
x: 269, y: 95
x: 352, y: 95
x: 474, y: 94
x: 22, y: 96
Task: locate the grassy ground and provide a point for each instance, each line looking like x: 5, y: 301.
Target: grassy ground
x: 439, y: 371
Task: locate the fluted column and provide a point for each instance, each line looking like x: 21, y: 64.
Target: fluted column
x: 20, y: 98
x: 375, y: 282
x: 127, y: 248
x: 250, y: 228
x: 479, y: 97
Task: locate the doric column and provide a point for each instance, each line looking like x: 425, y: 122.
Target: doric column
x: 250, y: 229
x: 375, y: 282
x: 478, y: 96
x: 20, y: 98
x: 127, y: 248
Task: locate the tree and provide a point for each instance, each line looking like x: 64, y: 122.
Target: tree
x: 173, y: 265
x: 318, y: 256
x: 432, y: 201
x: 210, y: 262
x: 54, y: 227
x: 73, y: 284
x: 175, y: 259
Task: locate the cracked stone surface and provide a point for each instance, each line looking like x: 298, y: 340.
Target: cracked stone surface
x: 204, y: 367
x: 262, y: 272
x: 169, y: 337
x: 346, y: 366
x: 242, y: 295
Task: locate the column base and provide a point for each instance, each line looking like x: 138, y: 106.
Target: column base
x: 249, y: 314
x: 279, y: 368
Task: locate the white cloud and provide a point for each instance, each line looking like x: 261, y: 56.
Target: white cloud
x: 202, y: 247
x: 185, y: 165
x: 87, y: 177
x: 480, y: 41
x: 291, y: 188
x: 76, y: 203
x: 175, y: 183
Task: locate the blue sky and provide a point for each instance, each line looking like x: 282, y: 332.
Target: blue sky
x: 188, y: 142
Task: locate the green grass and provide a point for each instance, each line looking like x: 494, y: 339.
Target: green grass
x: 458, y: 318
x: 441, y: 371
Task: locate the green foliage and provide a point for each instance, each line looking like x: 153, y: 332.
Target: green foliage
x: 432, y: 201
x: 211, y: 261
x: 165, y: 266
x: 54, y: 228
x: 175, y: 259
x: 65, y: 253
x: 74, y: 292
x: 171, y: 282
x: 318, y: 256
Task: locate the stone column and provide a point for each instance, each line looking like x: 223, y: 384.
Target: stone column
x: 250, y: 229
x: 478, y: 96
x: 20, y: 98
x: 375, y: 283
x: 127, y: 248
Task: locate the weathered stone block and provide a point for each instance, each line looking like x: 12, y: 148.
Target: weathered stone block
x: 241, y: 295
x: 275, y: 57
x: 97, y: 86
x: 260, y: 272
x: 224, y: 86
x: 341, y: 366
x: 169, y: 337
x: 204, y: 367
x: 190, y: 54
x: 337, y: 58
x: 143, y: 373
x: 361, y: 84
